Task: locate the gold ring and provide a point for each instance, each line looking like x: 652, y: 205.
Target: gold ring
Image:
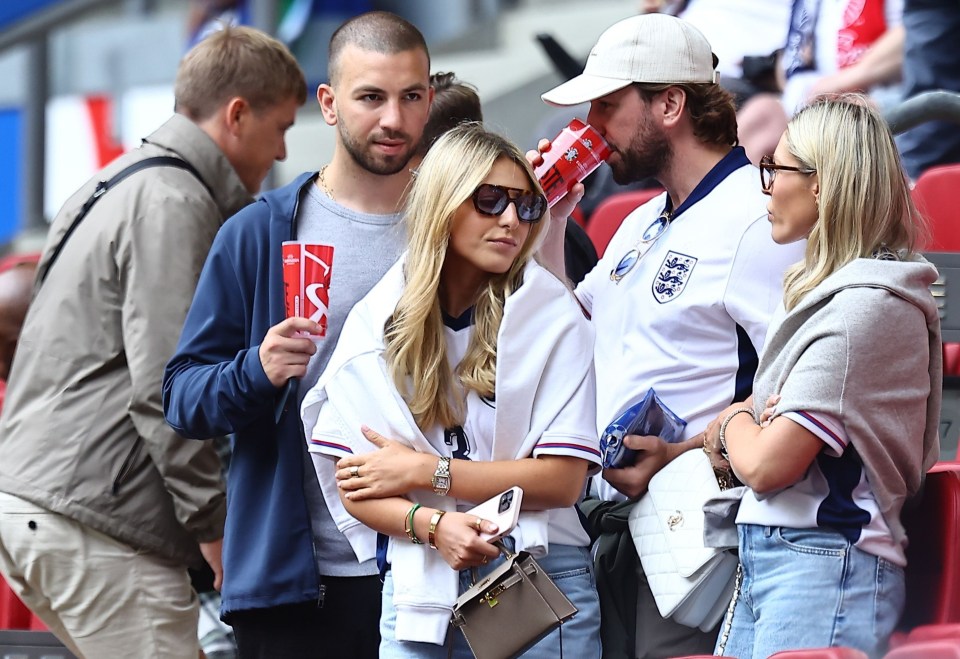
x: 484, y: 561
x: 477, y: 522
x: 355, y: 471
x: 706, y: 449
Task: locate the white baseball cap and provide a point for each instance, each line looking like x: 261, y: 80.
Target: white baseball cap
x: 654, y: 48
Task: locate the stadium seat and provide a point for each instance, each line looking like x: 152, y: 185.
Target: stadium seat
x: 935, y: 195
x: 944, y: 648
x: 820, y: 653
x: 933, y: 569
x: 13, y: 613
x: 607, y: 216
x: 934, y: 632
x: 951, y: 358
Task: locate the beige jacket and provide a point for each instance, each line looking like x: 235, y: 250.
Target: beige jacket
x: 82, y: 431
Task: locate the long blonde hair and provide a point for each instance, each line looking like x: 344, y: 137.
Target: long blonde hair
x: 416, y: 353
x: 864, y: 202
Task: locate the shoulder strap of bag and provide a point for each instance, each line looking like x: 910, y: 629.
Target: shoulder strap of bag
x: 103, y: 186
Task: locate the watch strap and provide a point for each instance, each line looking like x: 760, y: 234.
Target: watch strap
x: 441, y: 477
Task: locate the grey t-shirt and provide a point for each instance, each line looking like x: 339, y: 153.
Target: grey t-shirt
x: 364, y: 248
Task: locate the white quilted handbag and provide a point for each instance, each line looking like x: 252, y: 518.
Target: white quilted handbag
x: 691, y: 583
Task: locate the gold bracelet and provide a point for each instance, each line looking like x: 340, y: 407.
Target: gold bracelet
x: 432, y: 531
x: 408, y: 525
x: 723, y: 429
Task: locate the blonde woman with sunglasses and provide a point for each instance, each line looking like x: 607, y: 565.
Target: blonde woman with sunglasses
x: 851, y: 372
x: 476, y: 363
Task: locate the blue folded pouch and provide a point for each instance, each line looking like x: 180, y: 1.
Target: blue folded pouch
x: 649, y: 416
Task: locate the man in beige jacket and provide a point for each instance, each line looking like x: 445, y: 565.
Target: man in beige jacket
x: 102, y: 506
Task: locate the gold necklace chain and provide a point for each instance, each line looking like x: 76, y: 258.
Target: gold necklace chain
x: 323, y: 183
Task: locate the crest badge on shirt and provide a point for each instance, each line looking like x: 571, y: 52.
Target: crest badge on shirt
x: 673, y: 276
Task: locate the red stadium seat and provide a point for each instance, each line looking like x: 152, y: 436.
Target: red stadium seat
x: 934, y: 632
x: 933, y: 568
x: 606, y: 218
x: 935, y: 195
x: 937, y: 649
x: 820, y: 653
x: 13, y: 613
x: 951, y: 358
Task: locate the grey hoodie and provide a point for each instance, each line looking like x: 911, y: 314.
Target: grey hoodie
x: 869, y: 336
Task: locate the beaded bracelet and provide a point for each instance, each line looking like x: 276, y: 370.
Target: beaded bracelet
x: 408, y: 525
x: 723, y: 429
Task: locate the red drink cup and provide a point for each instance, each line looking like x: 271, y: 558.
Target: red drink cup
x: 574, y: 154
x: 306, y: 281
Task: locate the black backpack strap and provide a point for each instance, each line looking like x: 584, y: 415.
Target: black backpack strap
x: 103, y: 186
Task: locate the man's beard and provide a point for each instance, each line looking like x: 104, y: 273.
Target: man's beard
x: 383, y: 165
x: 647, y: 156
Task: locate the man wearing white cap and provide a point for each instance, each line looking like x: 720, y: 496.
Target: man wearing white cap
x: 682, y: 296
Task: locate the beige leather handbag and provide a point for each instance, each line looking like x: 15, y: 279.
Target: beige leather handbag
x: 509, y: 610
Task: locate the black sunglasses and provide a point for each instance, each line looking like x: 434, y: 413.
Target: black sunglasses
x: 768, y: 172
x: 491, y: 199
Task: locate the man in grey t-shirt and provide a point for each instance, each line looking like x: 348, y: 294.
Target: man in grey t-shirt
x: 292, y: 585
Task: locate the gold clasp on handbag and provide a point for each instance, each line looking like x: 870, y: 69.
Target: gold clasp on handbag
x: 675, y: 520
x: 490, y: 597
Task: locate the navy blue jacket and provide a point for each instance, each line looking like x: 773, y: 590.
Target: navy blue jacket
x: 215, y: 385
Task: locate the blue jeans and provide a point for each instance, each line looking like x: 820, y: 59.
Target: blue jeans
x: 810, y: 588
x: 571, y: 568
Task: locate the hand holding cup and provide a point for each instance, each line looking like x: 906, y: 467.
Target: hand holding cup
x: 573, y: 155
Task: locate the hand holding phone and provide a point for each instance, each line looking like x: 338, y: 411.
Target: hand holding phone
x: 503, y: 510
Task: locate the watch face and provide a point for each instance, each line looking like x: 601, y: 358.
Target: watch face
x: 441, y: 482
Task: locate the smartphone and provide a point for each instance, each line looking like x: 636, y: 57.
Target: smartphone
x: 503, y: 510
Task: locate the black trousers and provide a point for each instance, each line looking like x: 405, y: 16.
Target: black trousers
x: 346, y: 625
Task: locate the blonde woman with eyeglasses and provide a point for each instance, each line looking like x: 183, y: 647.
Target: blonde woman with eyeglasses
x: 851, y: 381
x: 476, y: 363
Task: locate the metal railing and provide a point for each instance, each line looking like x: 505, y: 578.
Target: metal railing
x: 940, y: 105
